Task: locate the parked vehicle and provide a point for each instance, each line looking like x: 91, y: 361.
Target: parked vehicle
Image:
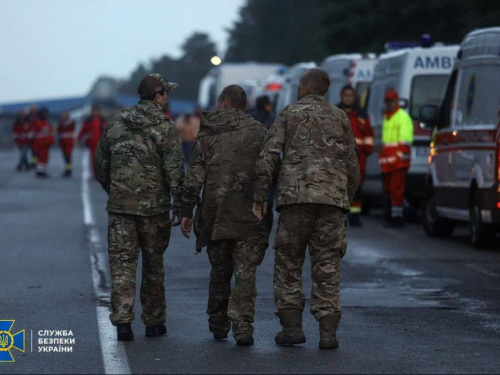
x: 273, y: 85
x: 288, y: 92
x: 419, y: 75
x: 349, y: 69
x: 463, y: 183
x: 227, y: 74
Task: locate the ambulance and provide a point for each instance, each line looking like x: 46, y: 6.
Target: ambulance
x: 463, y: 183
x: 419, y: 75
x: 352, y: 69
x: 231, y: 74
x: 288, y: 93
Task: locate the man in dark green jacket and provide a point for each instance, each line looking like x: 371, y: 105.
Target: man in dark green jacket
x: 139, y: 162
x: 318, y: 176
x: 222, y: 163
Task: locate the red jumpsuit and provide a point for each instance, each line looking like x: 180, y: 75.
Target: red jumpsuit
x: 23, y: 136
x: 363, y: 133
x: 23, y: 133
x: 91, y: 133
x: 44, y: 139
x: 66, y: 131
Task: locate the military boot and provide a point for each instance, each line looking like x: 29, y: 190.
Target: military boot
x: 156, y: 331
x: 124, y: 332
x: 328, y: 331
x: 291, y: 334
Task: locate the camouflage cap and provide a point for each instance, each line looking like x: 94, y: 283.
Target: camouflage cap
x: 154, y: 83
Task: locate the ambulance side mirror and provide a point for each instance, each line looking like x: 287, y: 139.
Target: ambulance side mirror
x: 428, y: 115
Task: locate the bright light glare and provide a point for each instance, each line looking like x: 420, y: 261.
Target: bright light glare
x: 216, y: 60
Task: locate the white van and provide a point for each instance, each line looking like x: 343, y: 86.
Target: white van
x: 464, y: 165
x: 352, y: 69
x: 419, y: 75
x: 230, y: 74
x: 288, y: 93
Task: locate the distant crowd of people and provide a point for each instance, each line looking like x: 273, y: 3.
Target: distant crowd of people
x: 34, y: 136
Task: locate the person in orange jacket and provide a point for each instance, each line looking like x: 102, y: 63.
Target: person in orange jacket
x: 66, y: 131
x: 363, y: 133
x: 23, y: 136
x: 43, y: 140
x: 91, y: 132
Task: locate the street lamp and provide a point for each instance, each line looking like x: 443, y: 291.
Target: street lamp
x: 216, y: 60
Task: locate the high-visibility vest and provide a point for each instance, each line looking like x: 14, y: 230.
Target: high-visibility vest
x: 397, y: 137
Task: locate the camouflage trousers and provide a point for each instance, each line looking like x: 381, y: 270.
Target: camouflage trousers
x: 237, y: 305
x: 322, y: 229
x: 127, y: 236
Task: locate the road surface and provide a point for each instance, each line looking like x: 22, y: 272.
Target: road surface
x: 411, y: 304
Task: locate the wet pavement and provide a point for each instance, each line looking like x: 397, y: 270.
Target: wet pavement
x: 411, y: 304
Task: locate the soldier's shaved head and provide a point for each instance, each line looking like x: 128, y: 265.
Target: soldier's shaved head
x: 317, y: 80
x: 234, y: 96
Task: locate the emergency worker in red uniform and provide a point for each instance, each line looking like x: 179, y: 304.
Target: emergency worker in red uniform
x: 91, y: 132
x: 363, y: 133
x: 23, y: 136
x: 395, y: 158
x: 66, y: 132
x: 43, y: 140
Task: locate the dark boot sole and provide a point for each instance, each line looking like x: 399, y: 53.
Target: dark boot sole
x: 125, y: 337
x: 219, y: 336
x: 155, y: 331
x: 288, y: 340
x: 328, y: 345
x: 247, y: 341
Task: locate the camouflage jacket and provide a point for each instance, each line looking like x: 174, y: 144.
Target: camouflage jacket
x: 320, y: 163
x: 223, y: 163
x: 139, y: 162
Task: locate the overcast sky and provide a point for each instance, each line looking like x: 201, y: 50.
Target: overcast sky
x: 57, y: 48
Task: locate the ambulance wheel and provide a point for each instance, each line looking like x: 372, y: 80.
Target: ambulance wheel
x: 435, y: 225
x: 481, y: 234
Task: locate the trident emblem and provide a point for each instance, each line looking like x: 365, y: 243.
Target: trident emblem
x: 9, y: 341
x: 4, y: 340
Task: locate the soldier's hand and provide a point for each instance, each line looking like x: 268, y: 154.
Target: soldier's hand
x: 259, y: 209
x: 186, y: 225
x: 176, y: 219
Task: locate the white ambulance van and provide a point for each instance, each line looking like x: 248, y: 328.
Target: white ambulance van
x: 288, y: 93
x: 464, y: 165
x: 419, y: 75
x: 230, y: 74
x: 352, y: 69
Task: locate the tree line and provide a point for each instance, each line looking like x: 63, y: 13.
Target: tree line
x: 290, y: 31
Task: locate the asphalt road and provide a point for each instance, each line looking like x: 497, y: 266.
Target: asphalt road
x: 411, y: 304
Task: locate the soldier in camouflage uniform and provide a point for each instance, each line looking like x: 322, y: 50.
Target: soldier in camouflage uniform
x: 222, y: 163
x: 318, y: 177
x: 139, y: 162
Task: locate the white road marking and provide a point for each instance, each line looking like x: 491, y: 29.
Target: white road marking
x: 113, y: 351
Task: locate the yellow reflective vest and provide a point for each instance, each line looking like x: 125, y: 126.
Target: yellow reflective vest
x: 397, y: 137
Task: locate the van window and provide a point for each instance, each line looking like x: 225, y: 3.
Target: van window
x: 445, y: 110
x: 478, y: 96
x: 362, y: 93
x: 426, y: 90
x: 376, y: 102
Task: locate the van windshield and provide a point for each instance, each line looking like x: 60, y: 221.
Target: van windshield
x: 427, y: 90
